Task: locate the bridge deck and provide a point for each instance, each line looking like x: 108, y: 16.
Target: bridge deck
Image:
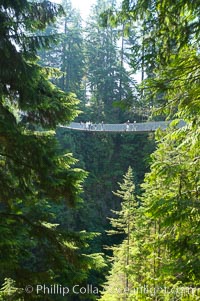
x: 141, y: 127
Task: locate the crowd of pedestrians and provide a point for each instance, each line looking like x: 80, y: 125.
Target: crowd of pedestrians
x: 90, y: 126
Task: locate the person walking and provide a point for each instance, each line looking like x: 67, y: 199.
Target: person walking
x: 102, y: 125
x: 87, y: 125
x: 127, y: 125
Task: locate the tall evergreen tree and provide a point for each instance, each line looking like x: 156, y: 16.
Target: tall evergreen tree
x: 72, y: 52
x: 107, y: 78
x: 34, y: 174
x: 127, y: 255
x: 68, y: 55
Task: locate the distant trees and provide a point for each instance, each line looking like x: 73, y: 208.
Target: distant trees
x: 72, y: 51
x: 68, y: 55
x: 108, y: 80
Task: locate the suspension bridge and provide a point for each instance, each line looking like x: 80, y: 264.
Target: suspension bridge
x: 140, y: 127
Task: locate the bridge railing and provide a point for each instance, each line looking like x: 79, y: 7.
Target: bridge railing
x: 131, y: 127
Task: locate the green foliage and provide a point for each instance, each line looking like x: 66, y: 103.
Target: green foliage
x: 128, y: 203
x: 36, y: 177
x: 127, y: 261
x: 108, y: 81
x: 172, y: 197
x: 9, y: 291
x: 68, y: 54
x: 105, y: 157
x: 167, y: 259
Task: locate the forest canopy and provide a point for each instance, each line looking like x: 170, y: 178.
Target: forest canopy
x: 117, y: 212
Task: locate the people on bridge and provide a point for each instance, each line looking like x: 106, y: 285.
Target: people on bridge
x: 127, y: 125
x: 134, y: 126
x: 89, y: 125
x: 81, y: 124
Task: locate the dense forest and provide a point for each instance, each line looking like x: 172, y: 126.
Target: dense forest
x: 88, y: 215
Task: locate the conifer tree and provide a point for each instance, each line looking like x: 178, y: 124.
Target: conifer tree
x: 34, y: 175
x: 108, y: 81
x: 127, y: 223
